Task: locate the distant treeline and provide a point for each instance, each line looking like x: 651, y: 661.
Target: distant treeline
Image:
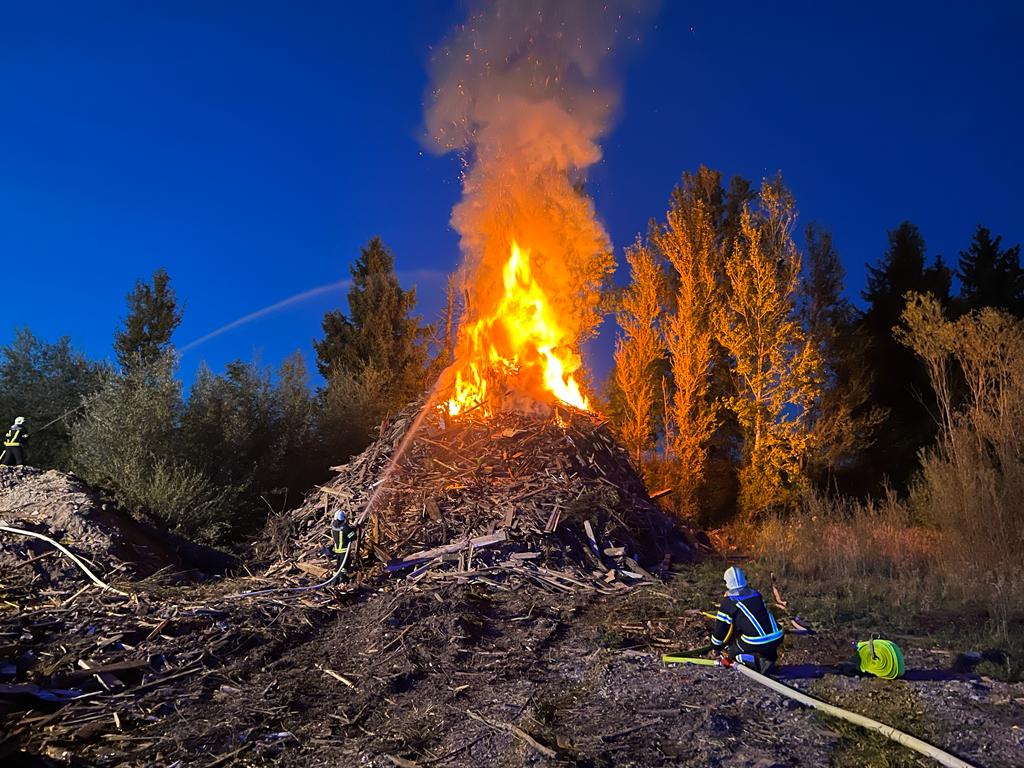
x: 244, y: 442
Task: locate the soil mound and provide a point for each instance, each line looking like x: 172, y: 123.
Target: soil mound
x: 67, y: 510
x: 476, y: 496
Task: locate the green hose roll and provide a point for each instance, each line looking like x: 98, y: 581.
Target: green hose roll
x: 881, y: 658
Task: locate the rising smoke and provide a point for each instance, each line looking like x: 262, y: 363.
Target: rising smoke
x: 525, y: 91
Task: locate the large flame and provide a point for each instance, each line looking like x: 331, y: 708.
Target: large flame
x: 519, y: 348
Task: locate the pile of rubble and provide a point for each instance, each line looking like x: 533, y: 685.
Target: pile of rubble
x: 554, y: 499
x: 115, y: 544
x: 62, y: 507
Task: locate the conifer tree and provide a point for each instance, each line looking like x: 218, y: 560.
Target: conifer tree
x: 380, y: 329
x: 153, y: 316
x: 776, y: 368
x: 991, y: 276
x: 843, y: 420
x: 900, y: 384
x: 638, y: 349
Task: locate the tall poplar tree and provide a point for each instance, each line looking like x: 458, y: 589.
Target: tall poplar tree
x: 689, y: 242
x: 776, y: 368
x: 638, y: 350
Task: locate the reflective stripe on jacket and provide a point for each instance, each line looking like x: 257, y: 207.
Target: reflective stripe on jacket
x: 745, y: 613
x: 15, y: 437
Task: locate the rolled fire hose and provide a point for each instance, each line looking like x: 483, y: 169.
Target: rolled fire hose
x: 881, y: 658
x: 67, y: 553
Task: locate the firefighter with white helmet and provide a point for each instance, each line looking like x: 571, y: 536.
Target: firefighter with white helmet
x: 14, y: 444
x: 744, y: 627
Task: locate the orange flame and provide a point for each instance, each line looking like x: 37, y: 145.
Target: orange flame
x: 521, y: 343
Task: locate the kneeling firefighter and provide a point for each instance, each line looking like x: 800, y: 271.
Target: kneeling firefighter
x: 745, y: 630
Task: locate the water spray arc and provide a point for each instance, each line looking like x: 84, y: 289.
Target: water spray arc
x: 270, y: 309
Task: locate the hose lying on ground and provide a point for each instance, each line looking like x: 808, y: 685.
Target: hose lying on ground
x: 65, y: 551
x: 944, y: 758
x: 307, y: 588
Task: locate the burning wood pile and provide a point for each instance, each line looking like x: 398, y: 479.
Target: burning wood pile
x: 505, y: 470
x: 550, y: 499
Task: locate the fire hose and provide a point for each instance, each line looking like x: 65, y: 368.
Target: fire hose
x: 900, y: 737
x: 306, y: 588
x: 69, y: 554
x: 881, y: 658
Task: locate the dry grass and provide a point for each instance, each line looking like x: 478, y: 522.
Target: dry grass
x: 876, y: 567
x: 948, y: 555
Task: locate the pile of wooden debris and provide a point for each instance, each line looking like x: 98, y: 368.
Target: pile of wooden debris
x: 554, y: 500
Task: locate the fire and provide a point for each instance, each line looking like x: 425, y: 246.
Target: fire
x: 520, y: 346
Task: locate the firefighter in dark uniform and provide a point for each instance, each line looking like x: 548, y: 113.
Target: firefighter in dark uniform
x: 343, y: 534
x: 745, y: 629
x: 14, y: 444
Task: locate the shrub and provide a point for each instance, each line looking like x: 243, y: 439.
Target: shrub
x: 127, y: 441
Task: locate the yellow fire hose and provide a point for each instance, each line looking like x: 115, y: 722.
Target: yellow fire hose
x: 881, y: 658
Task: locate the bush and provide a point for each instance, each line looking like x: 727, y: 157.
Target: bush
x: 353, y: 409
x: 127, y: 441
x: 186, y: 499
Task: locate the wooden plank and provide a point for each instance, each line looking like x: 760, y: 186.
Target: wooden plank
x: 448, y: 549
x: 88, y: 669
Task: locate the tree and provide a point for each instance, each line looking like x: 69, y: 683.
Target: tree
x: 843, y: 420
x: 153, y: 316
x: 900, y: 383
x: 638, y: 350
x: 231, y: 427
x: 776, y: 368
x: 127, y: 440
x: 45, y: 382
x: 304, y: 462
x: 689, y: 241
x: 989, y: 276
x: 380, y: 329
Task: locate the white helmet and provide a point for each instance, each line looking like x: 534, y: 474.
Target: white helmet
x: 19, y: 421
x: 735, y: 578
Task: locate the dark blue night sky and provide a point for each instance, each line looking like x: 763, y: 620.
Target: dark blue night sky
x: 251, y: 148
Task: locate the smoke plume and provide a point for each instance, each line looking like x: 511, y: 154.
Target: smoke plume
x: 524, y: 90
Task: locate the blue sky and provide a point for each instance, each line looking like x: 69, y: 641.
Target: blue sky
x: 251, y: 148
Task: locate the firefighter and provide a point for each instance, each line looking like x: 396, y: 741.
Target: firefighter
x: 342, y: 536
x: 745, y: 629
x: 14, y: 444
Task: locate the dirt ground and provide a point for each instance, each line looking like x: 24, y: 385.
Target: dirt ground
x: 385, y: 675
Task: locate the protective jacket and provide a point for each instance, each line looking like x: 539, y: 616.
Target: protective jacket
x: 744, y: 619
x: 13, y: 451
